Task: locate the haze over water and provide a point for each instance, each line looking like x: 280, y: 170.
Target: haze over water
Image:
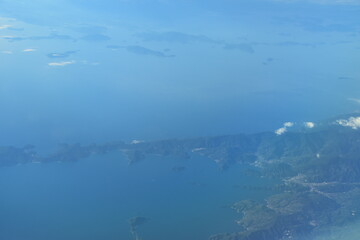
x: 95, y: 198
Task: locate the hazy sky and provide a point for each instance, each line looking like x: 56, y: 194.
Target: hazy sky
x: 94, y: 71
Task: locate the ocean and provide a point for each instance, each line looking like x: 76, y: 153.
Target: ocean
x: 94, y: 198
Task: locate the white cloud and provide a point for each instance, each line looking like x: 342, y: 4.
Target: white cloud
x: 85, y: 62
x: 309, y: 124
x: 281, y: 131
x: 7, y: 52
x: 288, y: 124
x: 4, y: 27
x: 7, y: 37
x: 354, y: 100
x: 60, y: 64
x: 353, y: 122
x: 284, y: 129
x: 29, y: 50
x: 197, y: 149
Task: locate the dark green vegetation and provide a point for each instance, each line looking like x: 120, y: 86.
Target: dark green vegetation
x: 319, y: 168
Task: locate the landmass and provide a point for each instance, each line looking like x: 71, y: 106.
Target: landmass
x: 319, y: 169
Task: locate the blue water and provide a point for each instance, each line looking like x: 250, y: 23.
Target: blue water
x: 350, y: 231
x: 93, y: 199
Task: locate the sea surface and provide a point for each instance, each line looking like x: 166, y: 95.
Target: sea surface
x: 94, y: 198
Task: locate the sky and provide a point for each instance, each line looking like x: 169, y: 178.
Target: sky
x: 97, y: 71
